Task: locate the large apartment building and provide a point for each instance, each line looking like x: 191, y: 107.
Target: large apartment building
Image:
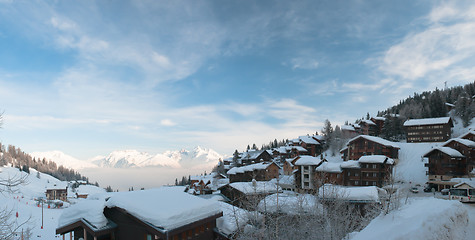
x: 428, y: 129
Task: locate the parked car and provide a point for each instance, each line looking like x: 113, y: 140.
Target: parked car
x: 414, y: 190
x: 445, y: 191
x: 429, y: 187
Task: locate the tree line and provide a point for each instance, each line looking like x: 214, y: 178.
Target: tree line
x: 15, y: 157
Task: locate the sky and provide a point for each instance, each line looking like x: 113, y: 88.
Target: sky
x: 91, y: 77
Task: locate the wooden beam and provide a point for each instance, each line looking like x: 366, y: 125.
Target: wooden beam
x: 85, y: 234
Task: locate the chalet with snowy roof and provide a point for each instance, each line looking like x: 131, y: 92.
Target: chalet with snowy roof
x: 348, y: 131
x: 58, y: 191
x: 305, y: 174
x: 465, y: 147
x: 445, y: 163
x: 248, y: 194
x: 309, y: 143
x: 469, y: 135
x: 164, y: 213
x: 257, y: 171
x: 358, y: 195
x: 375, y: 170
x: 289, y: 166
x: 329, y: 172
x: 428, y: 129
x: 368, y: 127
x: 351, y: 173
x: 252, y: 157
x: 369, y: 145
x: 379, y: 121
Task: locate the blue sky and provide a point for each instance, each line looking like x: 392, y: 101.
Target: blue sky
x: 90, y: 77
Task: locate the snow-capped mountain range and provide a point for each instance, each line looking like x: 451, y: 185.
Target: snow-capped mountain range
x: 196, y: 158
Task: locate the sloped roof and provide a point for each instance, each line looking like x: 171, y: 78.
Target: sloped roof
x: 449, y: 151
x: 255, y: 187
x: 329, y: 167
x: 306, y: 160
x: 465, y: 142
x: 376, y: 140
x: 249, y: 168
x: 427, y: 121
x: 347, y: 128
x: 466, y: 134
x: 350, y: 164
x: 376, y: 159
x: 309, y: 140
x: 369, y: 122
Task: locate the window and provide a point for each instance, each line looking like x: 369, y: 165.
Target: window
x: 375, y: 165
x: 357, y: 182
x: 148, y: 237
x: 375, y: 174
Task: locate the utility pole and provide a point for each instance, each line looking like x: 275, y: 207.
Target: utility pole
x: 41, y: 213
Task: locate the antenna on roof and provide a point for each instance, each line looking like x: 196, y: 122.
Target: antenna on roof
x: 445, y: 84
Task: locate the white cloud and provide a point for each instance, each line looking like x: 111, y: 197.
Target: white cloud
x: 304, y: 63
x: 167, y: 122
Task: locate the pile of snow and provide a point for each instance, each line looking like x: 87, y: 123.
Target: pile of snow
x: 165, y: 207
x: 256, y: 187
x: 357, y: 194
x: 234, y: 218
x: 424, y: 218
x: 289, y: 203
x: 90, y: 210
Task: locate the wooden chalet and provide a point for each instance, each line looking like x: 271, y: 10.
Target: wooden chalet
x: 348, y: 131
x: 368, y: 127
x: 289, y: 166
x: 309, y: 143
x: 252, y: 157
x: 351, y: 173
x: 465, y: 147
x: 369, y: 145
x: 428, y: 129
x: 247, y: 195
x: 148, y: 214
x: 57, y: 192
x: 257, y: 171
x: 375, y: 170
x: 329, y: 172
x: 379, y: 121
x: 470, y: 135
x: 445, y: 163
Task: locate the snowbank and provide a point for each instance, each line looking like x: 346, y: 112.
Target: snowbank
x: 366, y: 194
x: 290, y: 203
x: 234, y: 218
x: 425, y: 218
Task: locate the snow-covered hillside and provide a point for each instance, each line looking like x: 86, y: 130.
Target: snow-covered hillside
x: 21, y: 202
x: 63, y: 159
x: 197, y: 158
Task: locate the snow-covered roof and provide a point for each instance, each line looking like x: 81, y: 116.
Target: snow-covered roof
x: 347, y: 128
x: 462, y: 183
x: 376, y: 159
x: 344, y: 149
x: 308, y: 140
x: 90, y: 210
x: 466, y: 142
x: 426, y: 121
x: 57, y: 185
x: 379, y: 118
x: 252, y: 154
x: 299, y: 148
x: 369, y: 122
x: 376, y: 140
x: 284, y: 179
x: 255, y: 187
x: 329, y: 167
x: 290, y: 203
x: 449, y: 151
x: 350, y: 164
x: 249, y: 168
x: 468, y: 133
x: 357, y: 194
x: 165, y: 207
x: 306, y: 160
